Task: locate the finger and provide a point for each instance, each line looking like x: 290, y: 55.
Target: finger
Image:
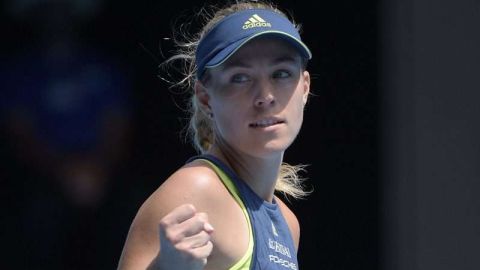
x: 176, y: 233
x: 195, y: 241
x: 167, y: 233
x: 179, y: 214
x: 208, y: 228
x: 203, y: 252
x: 194, y: 225
x: 206, y: 225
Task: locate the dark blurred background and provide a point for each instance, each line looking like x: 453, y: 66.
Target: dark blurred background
x: 89, y: 131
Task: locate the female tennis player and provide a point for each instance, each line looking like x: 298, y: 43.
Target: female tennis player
x: 247, y: 72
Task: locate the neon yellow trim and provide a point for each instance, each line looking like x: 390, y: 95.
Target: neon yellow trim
x: 245, y: 262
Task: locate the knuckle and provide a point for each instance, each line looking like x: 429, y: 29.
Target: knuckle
x: 202, y: 216
x: 183, y: 248
x: 164, y: 223
x: 172, y: 236
x: 188, y: 208
x: 187, y: 253
x: 205, y: 236
x: 194, y: 256
x: 210, y: 246
x: 167, y: 221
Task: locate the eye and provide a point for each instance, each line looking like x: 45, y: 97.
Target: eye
x: 240, y: 78
x: 281, y: 74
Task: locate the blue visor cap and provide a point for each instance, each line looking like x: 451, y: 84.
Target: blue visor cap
x: 233, y: 31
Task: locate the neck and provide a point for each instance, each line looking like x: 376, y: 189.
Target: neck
x: 260, y: 174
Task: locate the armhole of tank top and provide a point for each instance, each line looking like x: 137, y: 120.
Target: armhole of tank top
x: 245, y: 262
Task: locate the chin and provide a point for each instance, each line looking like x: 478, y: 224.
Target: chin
x: 270, y: 150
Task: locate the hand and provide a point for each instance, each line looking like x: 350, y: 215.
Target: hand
x: 184, y: 239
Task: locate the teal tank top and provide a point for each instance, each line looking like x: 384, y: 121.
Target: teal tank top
x: 271, y: 246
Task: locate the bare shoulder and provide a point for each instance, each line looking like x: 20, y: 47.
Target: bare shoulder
x: 291, y: 219
x: 195, y: 184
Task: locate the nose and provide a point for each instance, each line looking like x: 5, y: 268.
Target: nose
x: 265, y: 95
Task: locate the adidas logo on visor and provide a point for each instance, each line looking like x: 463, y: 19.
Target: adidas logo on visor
x: 256, y: 21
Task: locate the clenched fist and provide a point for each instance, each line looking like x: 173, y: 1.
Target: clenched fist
x: 184, y: 239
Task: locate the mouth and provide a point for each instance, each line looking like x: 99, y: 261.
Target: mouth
x: 266, y: 123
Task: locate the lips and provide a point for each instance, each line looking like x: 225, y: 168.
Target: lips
x: 266, y: 122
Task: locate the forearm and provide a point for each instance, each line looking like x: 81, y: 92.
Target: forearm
x: 132, y: 259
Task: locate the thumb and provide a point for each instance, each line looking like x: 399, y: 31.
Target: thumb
x: 208, y: 228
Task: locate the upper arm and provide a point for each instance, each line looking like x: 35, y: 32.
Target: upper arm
x: 187, y: 185
x: 142, y: 244
x: 292, y: 221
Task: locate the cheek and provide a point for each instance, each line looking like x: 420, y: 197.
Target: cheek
x: 227, y: 119
x: 225, y: 124
x: 297, y: 122
x: 297, y: 106
x: 299, y: 100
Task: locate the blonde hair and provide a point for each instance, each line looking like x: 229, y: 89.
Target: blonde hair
x: 200, y: 128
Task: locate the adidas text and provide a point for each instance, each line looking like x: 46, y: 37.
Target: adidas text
x: 256, y: 24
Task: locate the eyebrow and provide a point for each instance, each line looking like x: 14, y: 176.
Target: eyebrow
x: 276, y: 61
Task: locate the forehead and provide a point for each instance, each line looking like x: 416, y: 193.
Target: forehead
x: 264, y: 48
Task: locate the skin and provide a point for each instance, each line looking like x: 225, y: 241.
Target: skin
x: 256, y: 99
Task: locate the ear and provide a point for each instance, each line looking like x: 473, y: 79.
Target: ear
x: 202, y: 96
x: 306, y: 86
